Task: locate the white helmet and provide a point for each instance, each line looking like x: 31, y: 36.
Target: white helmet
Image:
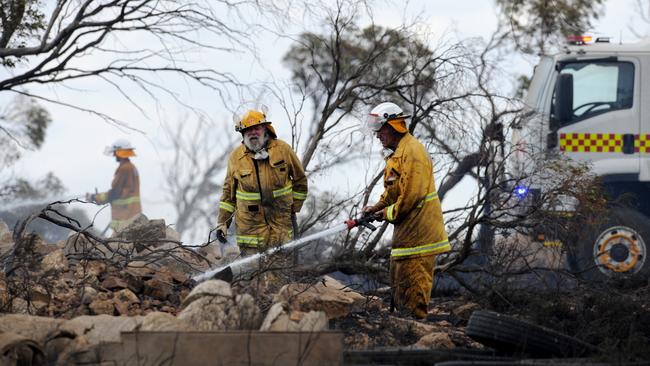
x: 119, y: 144
x: 383, y: 113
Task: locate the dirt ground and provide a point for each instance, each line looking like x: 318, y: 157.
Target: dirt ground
x: 611, y: 316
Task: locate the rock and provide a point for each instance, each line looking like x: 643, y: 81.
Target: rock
x: 209, y: 313
x: 170, y: 275
x: 66, y: 294
x: 79, y: 246
x: 130, y: 227
x: 182, y: 294
x: 329, y: 296
x: 208, y: 288
x: 100, y: 328
x: 5, y: 232
x: 278, y: 319
x: 5, y: 298
x: 99, y: 307
x: 30, y: 326
x: 133, y: 282
x: 41, y: 246
x: 142, y: 232
x: 168, y: 309
x: 163, y: 322
x: 171, y: 234
x: 358, y: 341
x: 84, y: 333
x: 55, y: 262
x: 140, y: 269
x: 39, y: 305
x: 21, y: 306
x: 114, y: 282
x: 6, y: 242
x: 211, y: 252
x: 90, y: 268
x: 465, y: 311
x: 435, y: 340
x: 249, y: 314
x: 211, y: 306
x: 419, y: 329
x: 39, y: 293
x: 123, y: 300
x: 158, y: 289
x: 88, y: 295
x: 185, y: 260
x: 18, y: 350
x: 56, y: 345
x: 313, y: 321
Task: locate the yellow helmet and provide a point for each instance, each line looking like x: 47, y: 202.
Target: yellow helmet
x: 254, y: 118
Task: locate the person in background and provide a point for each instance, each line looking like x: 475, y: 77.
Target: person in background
x: 124, y: 195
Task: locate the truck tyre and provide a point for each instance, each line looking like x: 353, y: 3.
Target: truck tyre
x: 511, y: 335
x: 614, y: 248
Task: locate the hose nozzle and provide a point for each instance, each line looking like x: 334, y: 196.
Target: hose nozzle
x: 365, y: 220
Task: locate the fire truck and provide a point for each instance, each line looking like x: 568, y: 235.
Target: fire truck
x: 591, y: 103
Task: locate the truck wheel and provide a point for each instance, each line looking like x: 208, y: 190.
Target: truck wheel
x: 615, y: 248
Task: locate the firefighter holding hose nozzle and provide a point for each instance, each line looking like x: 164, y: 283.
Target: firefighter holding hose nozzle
x: 411, y: 204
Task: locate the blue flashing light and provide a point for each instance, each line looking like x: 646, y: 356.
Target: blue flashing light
x: 521, y: 191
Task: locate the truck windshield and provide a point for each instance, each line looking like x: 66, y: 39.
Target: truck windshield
x: 598, y: 87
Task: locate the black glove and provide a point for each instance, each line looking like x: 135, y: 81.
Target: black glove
x: 221, y: 237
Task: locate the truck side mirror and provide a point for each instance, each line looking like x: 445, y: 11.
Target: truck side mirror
x: 563, y: 101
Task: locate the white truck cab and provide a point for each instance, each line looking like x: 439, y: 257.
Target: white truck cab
x: 591, y: 103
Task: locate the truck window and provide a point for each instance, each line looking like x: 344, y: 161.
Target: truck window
x: 598, y: 87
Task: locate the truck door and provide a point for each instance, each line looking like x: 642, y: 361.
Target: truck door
x: 595, y: 114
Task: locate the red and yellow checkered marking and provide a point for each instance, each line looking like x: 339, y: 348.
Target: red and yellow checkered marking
x: 592, y: 142
x: 642, y: 143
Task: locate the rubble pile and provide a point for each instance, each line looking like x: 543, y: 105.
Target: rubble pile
x: 61, y: 303
x: 81, y: 277
x: 89, y: 301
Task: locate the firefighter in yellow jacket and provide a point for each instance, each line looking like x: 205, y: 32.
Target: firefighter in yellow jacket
x: 265, y: 187
x: 411, y: 204
x: 124, y: 195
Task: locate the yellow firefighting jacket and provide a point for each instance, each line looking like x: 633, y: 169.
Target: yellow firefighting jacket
x: 411, y: 202
x: 262, y: 194
x: 124, y: 195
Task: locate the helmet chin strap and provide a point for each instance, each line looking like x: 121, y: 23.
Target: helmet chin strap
x: 387, y: 152
x: 261, y: 154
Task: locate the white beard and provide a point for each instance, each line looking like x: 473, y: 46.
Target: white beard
x: 258, y: 146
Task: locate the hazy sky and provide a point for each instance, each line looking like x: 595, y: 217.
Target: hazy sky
x: 75, y: 140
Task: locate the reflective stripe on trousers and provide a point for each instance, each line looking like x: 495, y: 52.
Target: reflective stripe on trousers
x: 255, y: 240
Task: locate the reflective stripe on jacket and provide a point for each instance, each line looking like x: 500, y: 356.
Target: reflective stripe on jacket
x: 262, y: 216
x: 411, y: 202
x: 124, y: 195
